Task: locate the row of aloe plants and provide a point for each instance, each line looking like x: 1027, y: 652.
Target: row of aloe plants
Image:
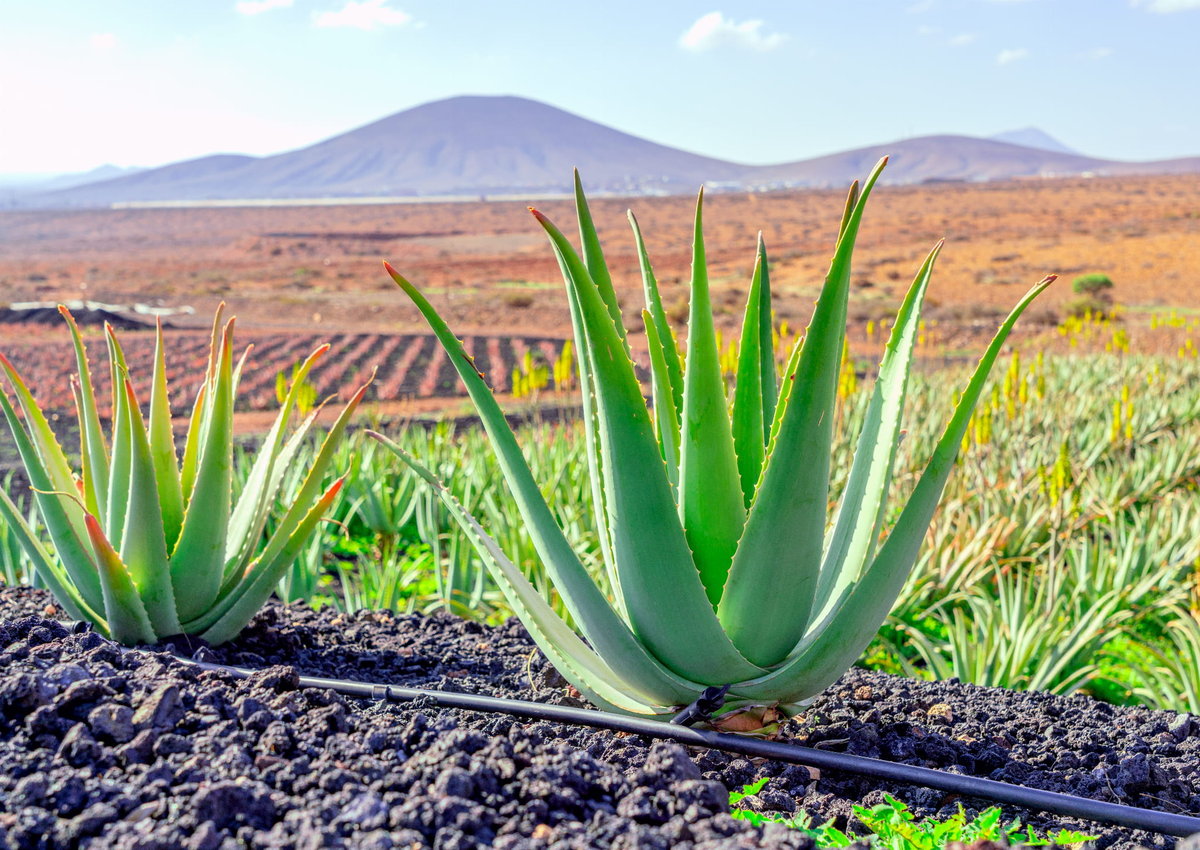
x: 781, y: 556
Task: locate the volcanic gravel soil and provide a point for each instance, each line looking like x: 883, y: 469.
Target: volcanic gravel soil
x: 103, y: 748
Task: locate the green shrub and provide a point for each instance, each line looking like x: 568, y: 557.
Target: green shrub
x: 1091, y: 284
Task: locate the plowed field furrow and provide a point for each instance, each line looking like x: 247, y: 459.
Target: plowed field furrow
x: 393, y: 383
x: 410, y: 366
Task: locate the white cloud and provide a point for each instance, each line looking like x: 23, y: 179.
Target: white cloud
x: 715, y: 30
x: 102, y: 41
x: 1166, y: 6
x: 364, y: 15
x: 1015, y: 54
x: 963, y: 39
x: 1100, y: 52
x: 257, y: 7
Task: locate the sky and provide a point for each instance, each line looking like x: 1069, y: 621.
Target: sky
x: 145, y: 82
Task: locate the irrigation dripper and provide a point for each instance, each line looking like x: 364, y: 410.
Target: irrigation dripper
x: 1036, y: 799
x: 703, y: 707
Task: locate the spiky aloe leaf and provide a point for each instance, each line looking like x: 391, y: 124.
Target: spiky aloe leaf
x: 118, y: 480
x: 262, y: 576
x: 767, y: 604
x: 198, y: 562
x: 860, y: 513
x: 651, y: 552
x: 611, y: 637
x: 593, y: 257
x: 47, y: 569
x: 583, y: 667
x: 144, y: 547
x: 124, y: 614
x: 58, y: 513
x: 666, y: 416
x: 754, y: 392
x: 250, y: 515
x: 92, y: 445
x: 833, y: 643
x: 711, y: 506
x: 666, y: 336
x: 162, y: 447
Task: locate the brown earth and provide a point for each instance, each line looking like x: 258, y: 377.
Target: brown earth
x: 488, y: 268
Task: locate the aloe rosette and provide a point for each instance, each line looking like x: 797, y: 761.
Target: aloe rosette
x: 145, y: 545
x: 711, y: 510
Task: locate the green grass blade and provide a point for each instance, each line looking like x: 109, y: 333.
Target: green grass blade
x: 593, y: 256
x: 860, y: 513
x: 198, y: 562
x: 143, y: 546
x: 620, y: 669
x: 124, y: 613
x: 92, y: 445
x: 666, y: 336
x: 754, y: 393
x: 666, y: 415
x: 834, y: 643
x: 162, y: 448
x: 711, y: 505
x: 651, y: 551
x: 773, y: 579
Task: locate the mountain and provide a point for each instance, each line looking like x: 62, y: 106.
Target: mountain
x: 931, y: 158
x: 464, y: 145
x: 1032, y: 137
x: 476, y: 145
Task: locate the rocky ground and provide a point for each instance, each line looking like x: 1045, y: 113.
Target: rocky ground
x: 103, y: 748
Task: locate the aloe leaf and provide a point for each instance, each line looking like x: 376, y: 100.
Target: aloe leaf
x: 593, y: 257
x: 47, y: 569
x: 262, y: 576
x: 711, y: 505
x: 311, y: 486
x: 250, y: 515
x: 587, y: 387
x: 143, y: 546
x: 124, y: 613
x: 118, y: 480
x: 59, y: 513
x: 201, y: 411
x: 198, y: 561
x: 587, y: 605
x: 860, y: 513
x: 772, y: 585
x: 651, y: 552
x: 851, y: 621
x: 92, y: 445
x: 666, y: 416
x: 162, y: 448
x: 754, y: 393
x: 666, y: 335
x: 609, y: 680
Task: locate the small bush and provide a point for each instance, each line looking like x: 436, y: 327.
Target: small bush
x: 1086, y: 305
x: 1091, y: 284
x: 517, y: 300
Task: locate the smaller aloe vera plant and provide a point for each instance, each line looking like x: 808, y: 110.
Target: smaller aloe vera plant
x: 712, y: 508
x: 145, y: 546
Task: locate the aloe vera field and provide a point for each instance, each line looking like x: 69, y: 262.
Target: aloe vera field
x: 1060, y: 572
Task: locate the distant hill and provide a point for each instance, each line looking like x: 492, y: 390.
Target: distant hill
x: 1032, y: 137
x: 475, y: 145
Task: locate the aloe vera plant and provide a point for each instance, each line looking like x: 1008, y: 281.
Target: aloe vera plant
x: 712, y: 511
x: 144, y: 546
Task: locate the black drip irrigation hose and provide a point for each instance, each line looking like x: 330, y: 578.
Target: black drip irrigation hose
x: 971, y: 786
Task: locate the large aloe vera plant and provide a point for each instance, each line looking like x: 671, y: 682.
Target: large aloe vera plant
x: 144, y: 546
x: 712, y: 511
